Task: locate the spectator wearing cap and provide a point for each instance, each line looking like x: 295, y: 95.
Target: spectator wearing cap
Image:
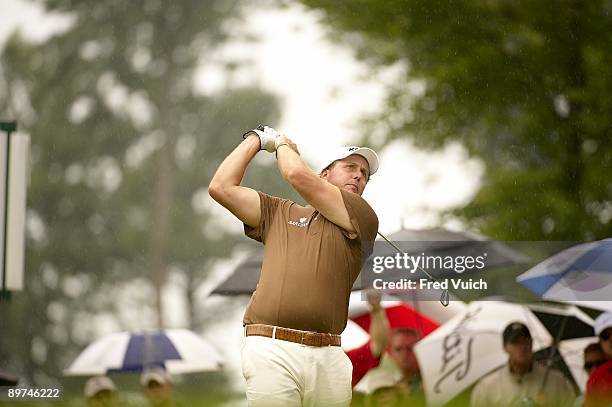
x: 599, y: 386
x: 158, y: 387
x: 100, y: 391
x: 522, y: 381
x: 384, y: 390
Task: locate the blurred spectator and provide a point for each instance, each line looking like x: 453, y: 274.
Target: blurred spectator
x: 599, y: 386
x: 100, y: 391
x: 383, y: 390
x: 368, y: 356
x: 522, y: 381
x: 401, y: 352
x: 158, y: 387
x: 594, y: 356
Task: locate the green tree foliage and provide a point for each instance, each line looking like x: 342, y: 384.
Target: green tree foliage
x: 123, y: 150
x: 523, y: 86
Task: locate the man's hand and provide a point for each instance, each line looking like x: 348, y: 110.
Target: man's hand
x: 283, y: 140
x: 267, y: 137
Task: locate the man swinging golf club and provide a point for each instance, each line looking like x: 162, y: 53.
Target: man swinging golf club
x: 291, y: 354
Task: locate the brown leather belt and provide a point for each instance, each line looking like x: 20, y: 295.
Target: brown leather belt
x: 293, y: 335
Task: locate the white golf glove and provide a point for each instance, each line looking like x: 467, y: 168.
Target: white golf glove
x: 267, y: 135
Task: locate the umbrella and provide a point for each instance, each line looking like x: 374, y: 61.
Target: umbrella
x: 444, y: 242
x: 178, y: 350
x: 244, y: 279
x: 8, y: 379
x: 399, y: 315
x: 436, y: 241
x: 433, y: 310
x: 438, y: 246
x: 469, y: 346
x: 424, y: 315
x: 581, y: 274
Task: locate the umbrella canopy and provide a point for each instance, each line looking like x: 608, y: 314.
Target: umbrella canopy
x: 177, y: 350
x: 423, y: 315
x: 469, y: 346
x: 444, y: 242
x: 436, y: 241
x: 401, y: 316
x: 433, y: 310
x: 581, y: 274
x: 243, y: 280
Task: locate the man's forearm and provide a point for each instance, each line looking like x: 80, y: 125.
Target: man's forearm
x: 291, y: 165
x: 232, y: 169
x: 225, y: 186
x: 379, y: 330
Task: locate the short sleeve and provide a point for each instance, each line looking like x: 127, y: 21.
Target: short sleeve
x: 268, y: 206
x: 362, y: 217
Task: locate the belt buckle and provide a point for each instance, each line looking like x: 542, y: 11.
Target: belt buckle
x: 302, y: 338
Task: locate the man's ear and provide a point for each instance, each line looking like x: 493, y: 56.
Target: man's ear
x: 324, y: 174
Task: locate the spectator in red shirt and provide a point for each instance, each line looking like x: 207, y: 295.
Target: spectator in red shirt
x: 599, y: 386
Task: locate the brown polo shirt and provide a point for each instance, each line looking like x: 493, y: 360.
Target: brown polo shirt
x: 309, y: 264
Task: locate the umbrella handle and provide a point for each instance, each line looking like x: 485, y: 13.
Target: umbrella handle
x: 445, y: 298
x: 554, y: 349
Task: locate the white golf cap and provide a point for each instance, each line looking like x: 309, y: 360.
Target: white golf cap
x: 343, y: 152
x: 97, y: 384
x: 603, y: 322
x: 380, y: 379
x: 157, y: 374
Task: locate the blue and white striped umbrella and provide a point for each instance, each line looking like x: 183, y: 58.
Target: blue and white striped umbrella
x: 178, y: 350
x: 581, y: 274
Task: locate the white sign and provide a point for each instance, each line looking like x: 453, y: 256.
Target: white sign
x: 13, y: 204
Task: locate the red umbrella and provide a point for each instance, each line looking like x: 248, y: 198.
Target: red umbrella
x: 400, y: 316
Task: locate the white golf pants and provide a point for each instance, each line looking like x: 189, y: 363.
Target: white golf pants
x: 287, y: 374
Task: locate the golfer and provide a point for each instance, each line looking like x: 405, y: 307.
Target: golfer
x: 291, y: 354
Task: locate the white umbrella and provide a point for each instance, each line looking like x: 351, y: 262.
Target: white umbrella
x: 178, y: 350
x: 581, y: 274
x: 460, y: 352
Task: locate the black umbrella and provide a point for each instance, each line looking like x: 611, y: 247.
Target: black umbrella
x: 244, y: 278
x: 8, y: 379
x: 435, y: 241
x: 443, y: 242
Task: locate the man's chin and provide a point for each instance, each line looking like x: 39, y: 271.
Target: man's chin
x: 351, y: 188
